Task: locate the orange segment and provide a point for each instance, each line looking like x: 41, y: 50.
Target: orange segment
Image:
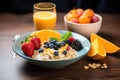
x: 97, y: 52
x: 109, y: 47
x: 45, y: 34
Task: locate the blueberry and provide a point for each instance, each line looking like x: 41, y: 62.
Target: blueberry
x: 46, y: 43
x: 64, y: 52
x: 52, y: 41
x: 40, y: 50
x: 62, y: 43
x: 51, y: 45
x: 58, y: 44
x: 56, y: 48
x: 56, y: 53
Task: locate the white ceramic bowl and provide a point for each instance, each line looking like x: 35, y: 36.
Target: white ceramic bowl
x: 84, y: 29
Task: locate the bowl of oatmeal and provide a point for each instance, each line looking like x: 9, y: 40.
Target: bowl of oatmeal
x: 50, y: 56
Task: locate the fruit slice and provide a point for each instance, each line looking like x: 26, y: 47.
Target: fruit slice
x: 34, y: 33
x: 45, y: 34
x: 97, y: 51
x: 109, y: 47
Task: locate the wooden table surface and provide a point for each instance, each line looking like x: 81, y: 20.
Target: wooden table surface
x: 19, y: 69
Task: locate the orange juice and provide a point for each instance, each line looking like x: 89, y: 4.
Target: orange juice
x: 44, y: 20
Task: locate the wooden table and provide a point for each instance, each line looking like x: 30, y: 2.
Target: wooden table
x: 19, y: 69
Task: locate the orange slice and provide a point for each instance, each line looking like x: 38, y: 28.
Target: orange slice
x: 34, y: 33
x: 97, y: 51
x: 109, y: 47
x: 45, y: 34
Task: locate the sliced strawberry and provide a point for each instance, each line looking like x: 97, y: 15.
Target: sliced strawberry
x: 36, y: 42
x: 28, y: 48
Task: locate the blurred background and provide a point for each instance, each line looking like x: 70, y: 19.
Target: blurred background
x: 26, y: 6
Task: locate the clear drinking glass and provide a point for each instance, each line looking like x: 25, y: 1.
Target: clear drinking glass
x: 44, y: 16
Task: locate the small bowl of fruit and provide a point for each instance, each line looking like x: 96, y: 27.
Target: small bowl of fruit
x: 57, y: 49
x: 83, y: 22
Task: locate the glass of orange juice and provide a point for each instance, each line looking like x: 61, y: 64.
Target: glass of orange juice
x: 44, y: 16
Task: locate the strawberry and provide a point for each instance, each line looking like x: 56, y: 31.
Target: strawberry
x: 36, y: 42
x: 28, y: 48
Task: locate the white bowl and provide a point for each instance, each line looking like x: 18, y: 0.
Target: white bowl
x: 84, y: 29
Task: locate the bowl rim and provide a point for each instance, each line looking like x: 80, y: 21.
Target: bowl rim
x: 29, y: 58
x: 100, y: 20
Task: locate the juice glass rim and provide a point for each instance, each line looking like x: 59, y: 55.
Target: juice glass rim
x: 36, y: 6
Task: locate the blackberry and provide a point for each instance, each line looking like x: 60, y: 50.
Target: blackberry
x: 76, y: 45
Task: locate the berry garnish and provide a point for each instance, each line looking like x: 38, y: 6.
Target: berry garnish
x: 64, y: 52
x: 76, y: 45
x: 46, y: 43
x: 56, y: 53
x: 71, y: 39
x: 62, y: 43
x: 51, y: 46
x: 56, y: 48
x: 52, y: 41
x: 58, y: 44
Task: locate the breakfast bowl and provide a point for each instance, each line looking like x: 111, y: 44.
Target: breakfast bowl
x: 53, y: 63
x: 84, y: 29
